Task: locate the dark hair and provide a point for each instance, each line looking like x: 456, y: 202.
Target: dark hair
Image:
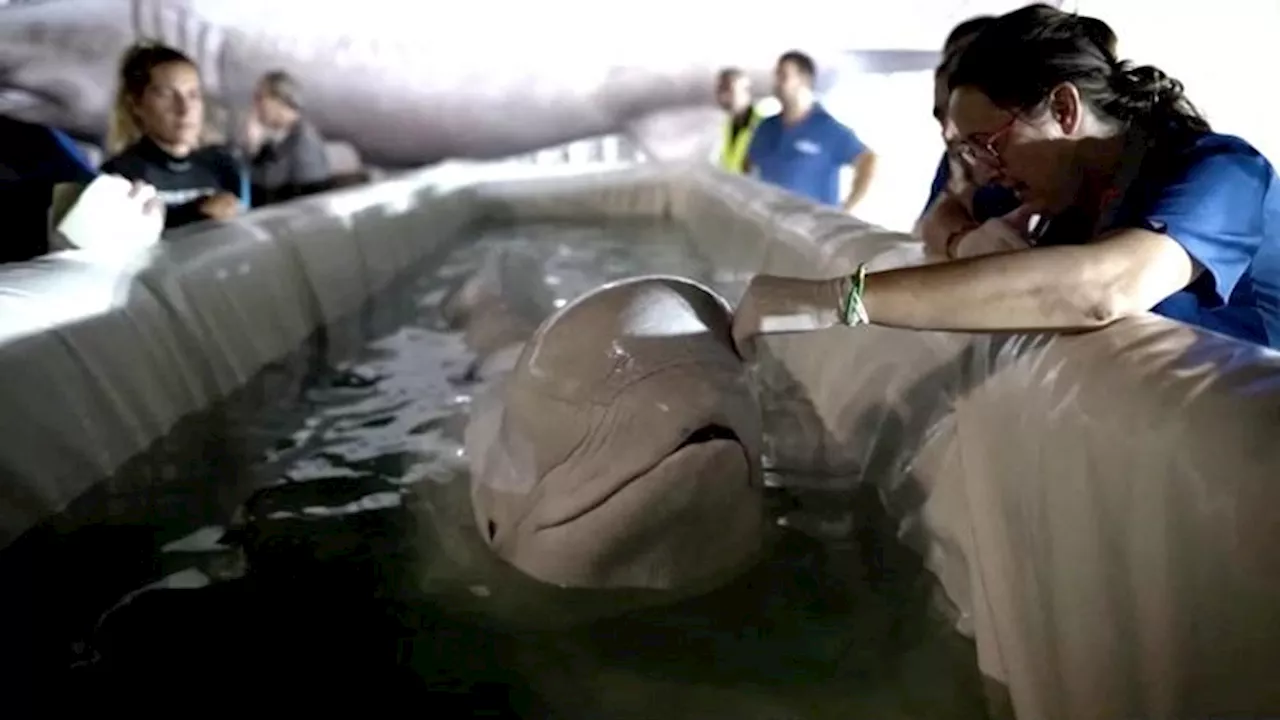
x: 1100, y: 33
x: 1019, y: 59
x: 140, y: 60
x: 728, y: 75
x: 283, y: 87
x: 959, y: 39
x: 803, y: 62
x: 135, y: 76
x: 965, y: 31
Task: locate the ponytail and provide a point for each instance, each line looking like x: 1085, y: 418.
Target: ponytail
x: 122, y: 130
x: 1145, y: 95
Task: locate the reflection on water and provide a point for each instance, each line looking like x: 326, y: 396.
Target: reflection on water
x: 354, y: 577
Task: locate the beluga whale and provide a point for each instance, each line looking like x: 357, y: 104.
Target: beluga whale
x: 623, y: 447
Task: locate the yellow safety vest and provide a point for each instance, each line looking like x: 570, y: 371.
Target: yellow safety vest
x: 733, y: 157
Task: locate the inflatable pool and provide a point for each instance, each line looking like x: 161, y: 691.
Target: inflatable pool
x: 1099, y: 509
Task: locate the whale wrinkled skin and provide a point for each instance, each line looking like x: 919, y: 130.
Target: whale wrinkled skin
x: 623, y: 449
x: 412, y: 84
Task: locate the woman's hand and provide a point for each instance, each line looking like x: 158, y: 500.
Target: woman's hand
x: 943, y: 225
x: 774, y: 304
x: 1002, y: 234
x: 222, y: 206
x: 252, y: 133
x: 145, y: 193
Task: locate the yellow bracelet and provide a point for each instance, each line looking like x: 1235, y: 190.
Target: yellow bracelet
x: 855, y: 313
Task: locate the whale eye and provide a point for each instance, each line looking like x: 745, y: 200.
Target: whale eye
x: 707, y: 433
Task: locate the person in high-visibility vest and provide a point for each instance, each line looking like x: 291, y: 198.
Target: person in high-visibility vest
x: 733, y: 93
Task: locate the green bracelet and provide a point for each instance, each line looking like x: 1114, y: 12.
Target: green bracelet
x: 855, y: 313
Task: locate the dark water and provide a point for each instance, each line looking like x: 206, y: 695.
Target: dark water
x: 350, y: 576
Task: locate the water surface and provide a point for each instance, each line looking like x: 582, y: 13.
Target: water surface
x: 353, y: 577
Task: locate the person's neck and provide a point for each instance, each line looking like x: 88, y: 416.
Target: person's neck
x: 798, y: 108
x: 287, y: 124
x: 1103, y: 158
x: 741, y: 114
x: 177, y: 150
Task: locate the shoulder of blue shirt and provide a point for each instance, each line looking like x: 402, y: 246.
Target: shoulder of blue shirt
x: 1217, y: 146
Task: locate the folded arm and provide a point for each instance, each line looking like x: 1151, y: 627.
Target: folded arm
x: 1053, y: 288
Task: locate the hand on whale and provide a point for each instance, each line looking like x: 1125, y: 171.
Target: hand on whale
x: 623, y: 449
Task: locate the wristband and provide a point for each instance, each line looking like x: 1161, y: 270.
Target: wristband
x: 855, y: 313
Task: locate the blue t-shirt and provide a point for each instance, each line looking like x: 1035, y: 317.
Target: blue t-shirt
x: 989, y: 201
x: 806, y: 157
x: 1218, y: 198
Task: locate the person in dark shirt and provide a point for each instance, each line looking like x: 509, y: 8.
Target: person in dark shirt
x: 158, y: 122
x: 289, y: 157
x: 33, y: 159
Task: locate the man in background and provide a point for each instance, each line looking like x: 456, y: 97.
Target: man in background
x: 803, y: 148
x: 733, y: 93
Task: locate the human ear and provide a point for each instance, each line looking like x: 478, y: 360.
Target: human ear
x: 1065, y: 108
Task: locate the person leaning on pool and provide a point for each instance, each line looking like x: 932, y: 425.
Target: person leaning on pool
x: 1148, y: 209
x: 957, y: 205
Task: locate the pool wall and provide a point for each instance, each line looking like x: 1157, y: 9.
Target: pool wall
x: 1100, y: 508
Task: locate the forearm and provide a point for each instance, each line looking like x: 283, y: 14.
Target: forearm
x: 864, y: 171
x: 992, y: 293
x: 185, y: 214
x: 1058, y: 288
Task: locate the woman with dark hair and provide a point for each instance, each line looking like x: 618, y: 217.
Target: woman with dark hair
x: 156, y: 129
x: 1146, y: 208
x: 958, y: 205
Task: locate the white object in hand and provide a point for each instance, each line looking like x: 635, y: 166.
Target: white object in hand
x: 106, y: 216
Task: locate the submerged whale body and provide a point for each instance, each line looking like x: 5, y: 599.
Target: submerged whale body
x: 622, y: 450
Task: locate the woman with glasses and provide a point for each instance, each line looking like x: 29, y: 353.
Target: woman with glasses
x: 962, y: 217
x: 1142, y: 207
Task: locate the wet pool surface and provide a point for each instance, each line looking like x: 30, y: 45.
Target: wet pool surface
x: 353, y: 578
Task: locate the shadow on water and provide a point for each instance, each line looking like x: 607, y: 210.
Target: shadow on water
x: 309, y: 545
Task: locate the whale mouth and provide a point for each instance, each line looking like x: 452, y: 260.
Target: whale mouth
x: 706, y: 434
x: 707, y: 441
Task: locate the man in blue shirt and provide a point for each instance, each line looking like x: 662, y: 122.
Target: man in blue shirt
x: 803, y: 148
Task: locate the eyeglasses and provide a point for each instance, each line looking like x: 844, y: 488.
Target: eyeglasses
x: 973, y: 150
